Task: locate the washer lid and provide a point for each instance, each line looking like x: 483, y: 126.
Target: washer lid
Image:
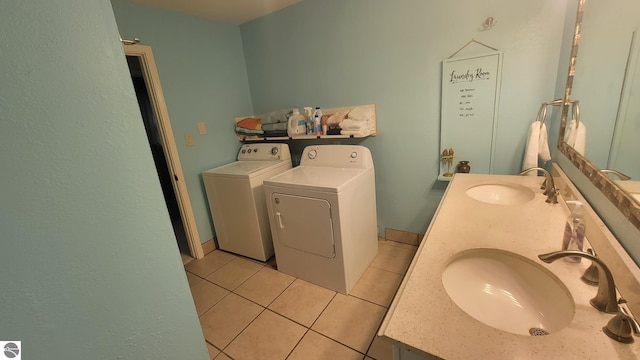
x: 328, y: 179
x: 244, y: 168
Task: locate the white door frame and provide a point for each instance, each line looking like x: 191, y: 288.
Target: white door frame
x: 152, y: 80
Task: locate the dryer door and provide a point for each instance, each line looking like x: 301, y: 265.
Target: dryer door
x: 304, y: 224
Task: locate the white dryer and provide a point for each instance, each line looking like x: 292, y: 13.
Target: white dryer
x: 236, y: 199
x: 323, y: 216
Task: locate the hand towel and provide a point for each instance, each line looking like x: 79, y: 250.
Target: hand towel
x: 580, y: 138
x: 570, y: 133
x: 531, y: 148
x: 575, y: 134
x: 543, y: 144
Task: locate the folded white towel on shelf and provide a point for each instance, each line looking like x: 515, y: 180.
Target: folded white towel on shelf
x: 351, y: 124
x: 336, y: 118
x: 361, y: 133
x: 360, y: 113
x: 575, y: 134
x: 537, y: 147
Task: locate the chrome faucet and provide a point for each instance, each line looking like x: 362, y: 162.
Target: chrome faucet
x: 548, y: 185
x: 606, y: 299
x: 617, y: 173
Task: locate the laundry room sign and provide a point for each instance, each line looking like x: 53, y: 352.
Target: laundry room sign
x: 470, y: 94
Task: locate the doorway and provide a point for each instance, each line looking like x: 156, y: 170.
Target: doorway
x: 162, y: 144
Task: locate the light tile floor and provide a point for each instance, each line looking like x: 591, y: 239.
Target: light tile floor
x: 249, y: 310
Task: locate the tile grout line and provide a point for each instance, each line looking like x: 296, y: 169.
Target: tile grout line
x: 323, y: 310
x: 298, y: 343
x: 243, y: 329
x: 307, y: 328
x: 337, y: 341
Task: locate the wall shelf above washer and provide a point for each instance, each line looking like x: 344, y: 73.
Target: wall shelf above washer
x: 255, y: 125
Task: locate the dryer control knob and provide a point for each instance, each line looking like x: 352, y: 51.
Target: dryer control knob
x: 274, y: 150
x: 313, y: 154
x: 354, y: 155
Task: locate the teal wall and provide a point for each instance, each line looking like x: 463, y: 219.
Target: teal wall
x: 203, y: 76
x: 348, y: 52
x: 333, y: 53
x: 90, y: 267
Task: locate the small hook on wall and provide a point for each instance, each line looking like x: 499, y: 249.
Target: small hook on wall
x: 489, y: 23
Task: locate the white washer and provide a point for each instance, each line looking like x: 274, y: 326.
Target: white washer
x: 236, y: 199
x: 323, y: 216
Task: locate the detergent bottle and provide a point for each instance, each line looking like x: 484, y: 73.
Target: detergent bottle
x: 297, y: 124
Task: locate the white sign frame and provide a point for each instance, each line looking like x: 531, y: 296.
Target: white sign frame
x: 469, y: 112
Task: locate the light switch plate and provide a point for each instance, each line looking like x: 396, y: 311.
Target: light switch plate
x: 188, y: 138
x: 202, y: 129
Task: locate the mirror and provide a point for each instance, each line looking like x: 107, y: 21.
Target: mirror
x: 604, y: 79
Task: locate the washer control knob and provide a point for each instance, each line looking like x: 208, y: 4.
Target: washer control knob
x: 354, y: 155
x: 274, y: 150
x: 312, y: 154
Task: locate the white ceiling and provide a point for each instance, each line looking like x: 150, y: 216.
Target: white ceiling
x: 231, y: 11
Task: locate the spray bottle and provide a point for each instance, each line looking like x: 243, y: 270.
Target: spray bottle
x: 308, y: 114
x: 317, y: 121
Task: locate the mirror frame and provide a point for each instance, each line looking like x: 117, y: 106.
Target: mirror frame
x: 622, y: 200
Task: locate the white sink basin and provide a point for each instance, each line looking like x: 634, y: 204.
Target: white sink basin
x: 508, y: 292
x: 501, y: 194
x: 630, y: 186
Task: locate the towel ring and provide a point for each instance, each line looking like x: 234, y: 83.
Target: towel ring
x: 542, y: 114
x: 575, y: 111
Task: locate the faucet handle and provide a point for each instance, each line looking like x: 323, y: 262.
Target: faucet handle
x: 552, y: 195
x: 622, y: 326
x: 591, y: 275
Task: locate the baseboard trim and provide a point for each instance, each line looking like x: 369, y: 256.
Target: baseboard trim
x: 402, y: 236
x: 208, y: 246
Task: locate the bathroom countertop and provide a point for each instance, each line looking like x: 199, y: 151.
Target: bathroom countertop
x: 422, y: 316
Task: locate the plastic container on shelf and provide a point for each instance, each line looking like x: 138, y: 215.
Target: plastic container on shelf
x: 308, y: 113
x: 297, y: 124
x: 573, y: 238
x: 317, y: 121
